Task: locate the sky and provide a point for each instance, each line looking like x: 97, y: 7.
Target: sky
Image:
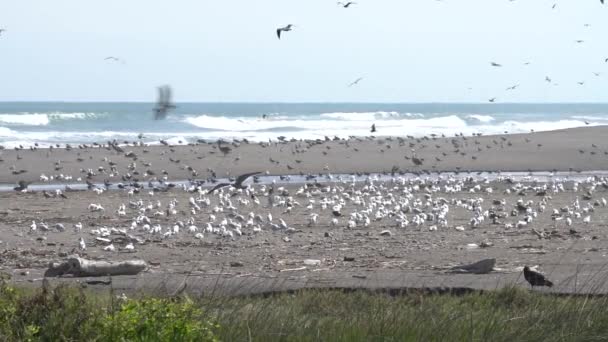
x: 227, y: 51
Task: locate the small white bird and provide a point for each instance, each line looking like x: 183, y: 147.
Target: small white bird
x: 78, y: 227
x: 82, y: 245
x: 587, y: 219
x: 109, y: 248
x: 130, y: 246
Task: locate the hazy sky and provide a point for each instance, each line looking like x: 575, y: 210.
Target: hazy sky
x: 406, y: 50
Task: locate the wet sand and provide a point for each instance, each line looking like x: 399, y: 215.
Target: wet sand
x: 564, y: 150
x: 574, y: 257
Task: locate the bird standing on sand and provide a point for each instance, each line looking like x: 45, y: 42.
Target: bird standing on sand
x: 163, y: 105
x: 373, y: 130
x: 284, y: 29
x: 238, y: 183
x: 535, y: 278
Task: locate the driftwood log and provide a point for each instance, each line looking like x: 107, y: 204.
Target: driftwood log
x: 79, y: 267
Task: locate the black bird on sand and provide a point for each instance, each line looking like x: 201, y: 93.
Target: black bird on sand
x: 238, y: 183
x: 373, y: 130
x: 164, y: 104
x: 535, y: 278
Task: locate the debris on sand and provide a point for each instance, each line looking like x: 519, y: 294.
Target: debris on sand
x: 80, y: 267
x: 481, y: 267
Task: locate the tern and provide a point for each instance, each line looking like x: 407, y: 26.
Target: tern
x: 355, y: 82
x: 347, y: 4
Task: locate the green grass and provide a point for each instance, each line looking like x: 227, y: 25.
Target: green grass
x: 511, y: 314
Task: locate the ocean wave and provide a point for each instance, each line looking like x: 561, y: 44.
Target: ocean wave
x: 43, y: 119
x: 480, y: 118
x: 590, y: 117
x: 369, y: 116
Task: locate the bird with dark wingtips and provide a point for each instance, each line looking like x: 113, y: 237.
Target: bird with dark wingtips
x: 535, y: 278
x: 284, y: 29
x: 373, y: 130
x: 238, y: 183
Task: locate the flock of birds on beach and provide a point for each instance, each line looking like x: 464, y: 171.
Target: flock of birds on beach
x: 230, y: 210
x: 235, y: 209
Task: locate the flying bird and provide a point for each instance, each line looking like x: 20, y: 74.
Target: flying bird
x: 548, y: 79
x: 238, y: 183
x: 346, y: 5
x: 535, y: 278
x: 495, y: 64
x: 112, y: 58
x: 163, y: 105
x: 284, y: 29
x: 492, y: 99
x: 513, y: 87
x: 356, y: 82
x: 1, y: 31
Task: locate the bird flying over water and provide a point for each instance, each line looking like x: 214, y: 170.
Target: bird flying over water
x: 238, y: 183
x: 535, y: 278
x: 356, y: 82
x: 346, y: 5
x: 513, y: 87
x: 284, y: 29
x: 492, y: 99
x: 495, y: 64
x: 163, y: 105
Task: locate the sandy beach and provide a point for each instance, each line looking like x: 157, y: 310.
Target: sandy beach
x: 321, y: 253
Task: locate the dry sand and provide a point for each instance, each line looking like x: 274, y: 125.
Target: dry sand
x: 254, y: 262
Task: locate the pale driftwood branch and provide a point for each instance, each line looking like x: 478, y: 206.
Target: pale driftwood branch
x: 79, y: 267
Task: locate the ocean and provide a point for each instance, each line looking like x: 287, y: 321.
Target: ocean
x: 59, y: 123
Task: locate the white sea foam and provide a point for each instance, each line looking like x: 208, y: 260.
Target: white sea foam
x: 42, y: 119
x: 480, y: 118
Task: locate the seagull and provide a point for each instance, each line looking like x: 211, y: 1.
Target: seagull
x: 597, y: 74
x: 112, y: 58
x: 163, y: 105
x: 495, y: 64
x: 22, y: 185
x: 535, y: 278
x: 581, y: 83
x: 373, y: 130
x: 345, y: 5
x: 356, y: 82
x: 1, y: 31
x: 238, y: 183
x: 547, y: 79
x: 513, y: 87
x: 579, y: 41
x: 492, y: 99
x: 284, y: 29
x: 82, y: 245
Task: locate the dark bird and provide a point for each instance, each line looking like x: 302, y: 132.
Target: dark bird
x: 548, y: 79
x: 1, y: 31
x: 373, y: 130
x: 163, y: 105
x: 495, y: 64
x: 346, y: 5
x: 356, y: 82
x: 535, y: 278
x: 492, y: 99
x: 238, y: 183
x: 21, y: 185
x: 284, y: 29
x: 513, y: 87
x: 581, y: 83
